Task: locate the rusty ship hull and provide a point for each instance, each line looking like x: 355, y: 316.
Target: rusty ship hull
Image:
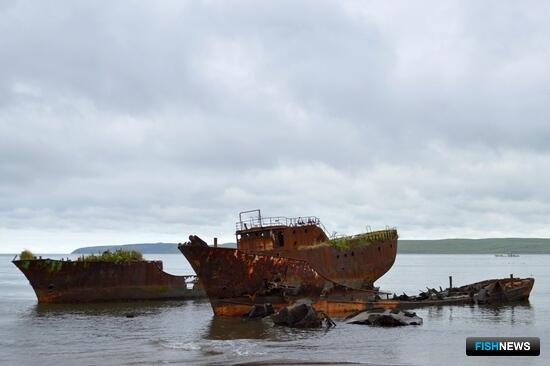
x: 357, y: 267
x: 357, y: 264
x: 235, y: 280
x: 59, y: 281
x: 280, y: 260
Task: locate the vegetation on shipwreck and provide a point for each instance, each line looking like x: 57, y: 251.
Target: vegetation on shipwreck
x: 347, y: 242
x: 26, y: 255
x: 118, y: 256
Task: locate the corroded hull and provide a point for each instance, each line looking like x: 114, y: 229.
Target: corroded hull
x: 57, y: 281
x: 357, y: 263
x: 502, y: 290
x: 356, y: 267
x: 488, y: 292
x: 235, y: 280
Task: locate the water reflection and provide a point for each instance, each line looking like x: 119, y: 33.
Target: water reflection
x: 517, y: 313
x: 120, y: 309
x: 187, y: 333
x: 224, y: 328
x: 435, y: 311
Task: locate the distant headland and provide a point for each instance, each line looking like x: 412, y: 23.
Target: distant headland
x: 476, y: 246
x: 440, y: 246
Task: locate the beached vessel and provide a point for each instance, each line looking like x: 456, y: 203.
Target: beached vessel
x: 83, y: 281
x: 279, y: 260
x: 488, y: 292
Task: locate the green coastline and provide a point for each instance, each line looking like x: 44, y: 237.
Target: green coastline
x: 475, y: 246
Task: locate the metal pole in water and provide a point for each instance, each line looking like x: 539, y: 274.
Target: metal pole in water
x: 450, y: 281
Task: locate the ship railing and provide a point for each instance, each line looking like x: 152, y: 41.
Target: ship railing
x: 253, y: 223
x: 337, y: 235
x: 387, y: 233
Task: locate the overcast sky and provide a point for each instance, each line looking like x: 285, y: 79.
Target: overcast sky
x: 146, y: 121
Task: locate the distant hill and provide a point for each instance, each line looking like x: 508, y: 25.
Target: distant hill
x: 475, y: 246
x: 442, y: 246
x: 145, y: 248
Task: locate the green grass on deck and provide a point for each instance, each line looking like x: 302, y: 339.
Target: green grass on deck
x: 118, y: 256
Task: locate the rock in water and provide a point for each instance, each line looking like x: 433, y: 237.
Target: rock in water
x: 386, y: 318
x: 300, y: 316
x: 260, y: 311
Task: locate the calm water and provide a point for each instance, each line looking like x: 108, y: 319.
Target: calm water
x: 187, y: 333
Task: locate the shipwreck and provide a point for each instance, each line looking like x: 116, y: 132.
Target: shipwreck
x: 279, y: 260
x: 95, y: 279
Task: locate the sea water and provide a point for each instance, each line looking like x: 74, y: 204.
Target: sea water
x: 186, y: 332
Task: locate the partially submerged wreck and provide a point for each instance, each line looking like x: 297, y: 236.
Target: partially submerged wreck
x: 279, y: 260
x: 491, y: 292
x: 96, y: 279
x: 385, y: 318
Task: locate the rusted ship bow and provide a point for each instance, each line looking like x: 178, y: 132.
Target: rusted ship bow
x: 67, y: 281
x: 279, y: 260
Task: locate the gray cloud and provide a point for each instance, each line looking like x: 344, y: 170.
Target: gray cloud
x: 152, y: 121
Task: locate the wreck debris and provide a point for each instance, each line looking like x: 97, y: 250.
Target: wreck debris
x: 501, y: 291
x: 260, y: 311
x: 386, y: 318
x: 302, y: 315
x: 495, y: 291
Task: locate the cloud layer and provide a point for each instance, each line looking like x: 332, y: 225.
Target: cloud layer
x: 150, y: 121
